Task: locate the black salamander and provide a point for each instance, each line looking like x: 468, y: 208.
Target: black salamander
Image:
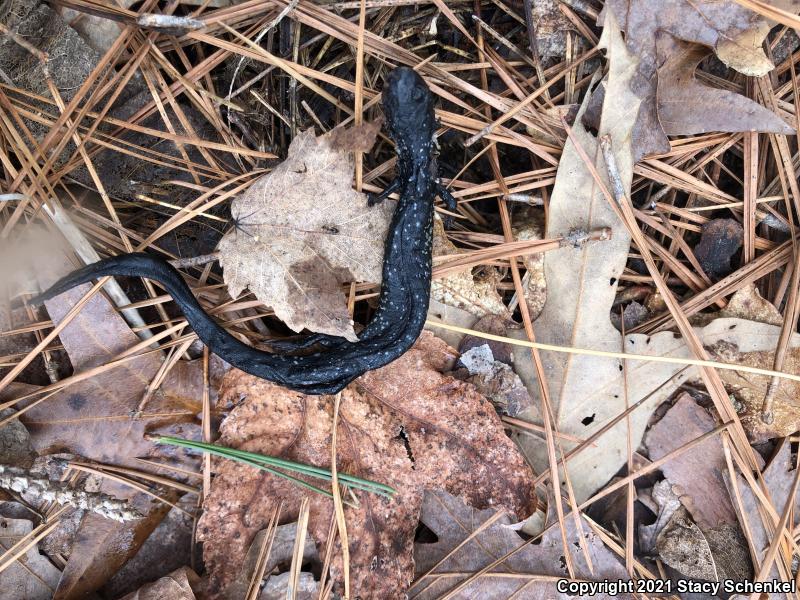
x: 403, y: 305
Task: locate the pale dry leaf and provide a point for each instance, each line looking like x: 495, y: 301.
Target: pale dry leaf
x: 747, y: 303
x: 667, y: 502
x: 33, y: 576
x: 749, y: 390
x: 462, y: 290
x: 729, y: 340
x: 587, y: 392
x: 302, y: 233
x: 686, y: 106
x: 453, y: 522
x: 405, y: 425
x: 682, y: 545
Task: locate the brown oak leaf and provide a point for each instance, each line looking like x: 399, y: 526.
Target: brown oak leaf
x: 732, y: 31
x: 406, y: 425
x: 303, y: 231
x: 686, y: 106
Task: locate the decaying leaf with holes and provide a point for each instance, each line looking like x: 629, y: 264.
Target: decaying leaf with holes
x: 302, y: 232
x: 405, y: 425
x: 589, y: 392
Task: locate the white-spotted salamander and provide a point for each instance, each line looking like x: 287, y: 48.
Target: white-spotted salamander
x: 409, y: 108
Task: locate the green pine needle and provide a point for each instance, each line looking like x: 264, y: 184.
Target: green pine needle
x: 269, y: 463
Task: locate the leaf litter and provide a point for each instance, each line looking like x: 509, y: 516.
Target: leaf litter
x: 665, y: 78
x: 393, y: 430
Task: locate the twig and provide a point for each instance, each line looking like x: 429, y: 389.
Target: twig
x: 194, y: 261
x: 22, y: 481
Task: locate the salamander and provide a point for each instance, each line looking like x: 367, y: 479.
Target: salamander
x: 403, y: 305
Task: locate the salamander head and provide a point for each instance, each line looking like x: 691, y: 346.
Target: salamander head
x: 408, y: 106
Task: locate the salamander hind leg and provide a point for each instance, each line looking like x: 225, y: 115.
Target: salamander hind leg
x: 293, y: 345
x: 373, y: 199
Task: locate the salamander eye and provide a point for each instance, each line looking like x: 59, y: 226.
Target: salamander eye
x: 418, y: 94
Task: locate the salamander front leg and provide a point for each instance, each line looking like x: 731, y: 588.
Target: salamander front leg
x: 373, y: 199
x: 450, y: 202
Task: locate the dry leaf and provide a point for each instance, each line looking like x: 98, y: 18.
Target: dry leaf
x: 778, y: 477
x: 33, y: 576
x: 276, y: 587
x: 587, y: 392
x: 405, y: 425
x: 551, y: 27
x: 166, y: 549
x: 453, y: 522
x: 175, y: 586
x: 685, y: 106
x: 496, y: 380
x: 303, y: 232
x: 746, y: 303
x: 461, y: 290
x: 95, y: 419
x: 530, y: 228
x: 83, y: 417
x: 734, y: 32
x: 682, y: 545
x: 699, y: 473
x: 750, y: 390
x: 280, y: 554
x: 667, y: 501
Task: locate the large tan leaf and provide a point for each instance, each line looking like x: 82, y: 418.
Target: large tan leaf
x: 303, y: 232
x: 406, y: 425
x: 587, y: 391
